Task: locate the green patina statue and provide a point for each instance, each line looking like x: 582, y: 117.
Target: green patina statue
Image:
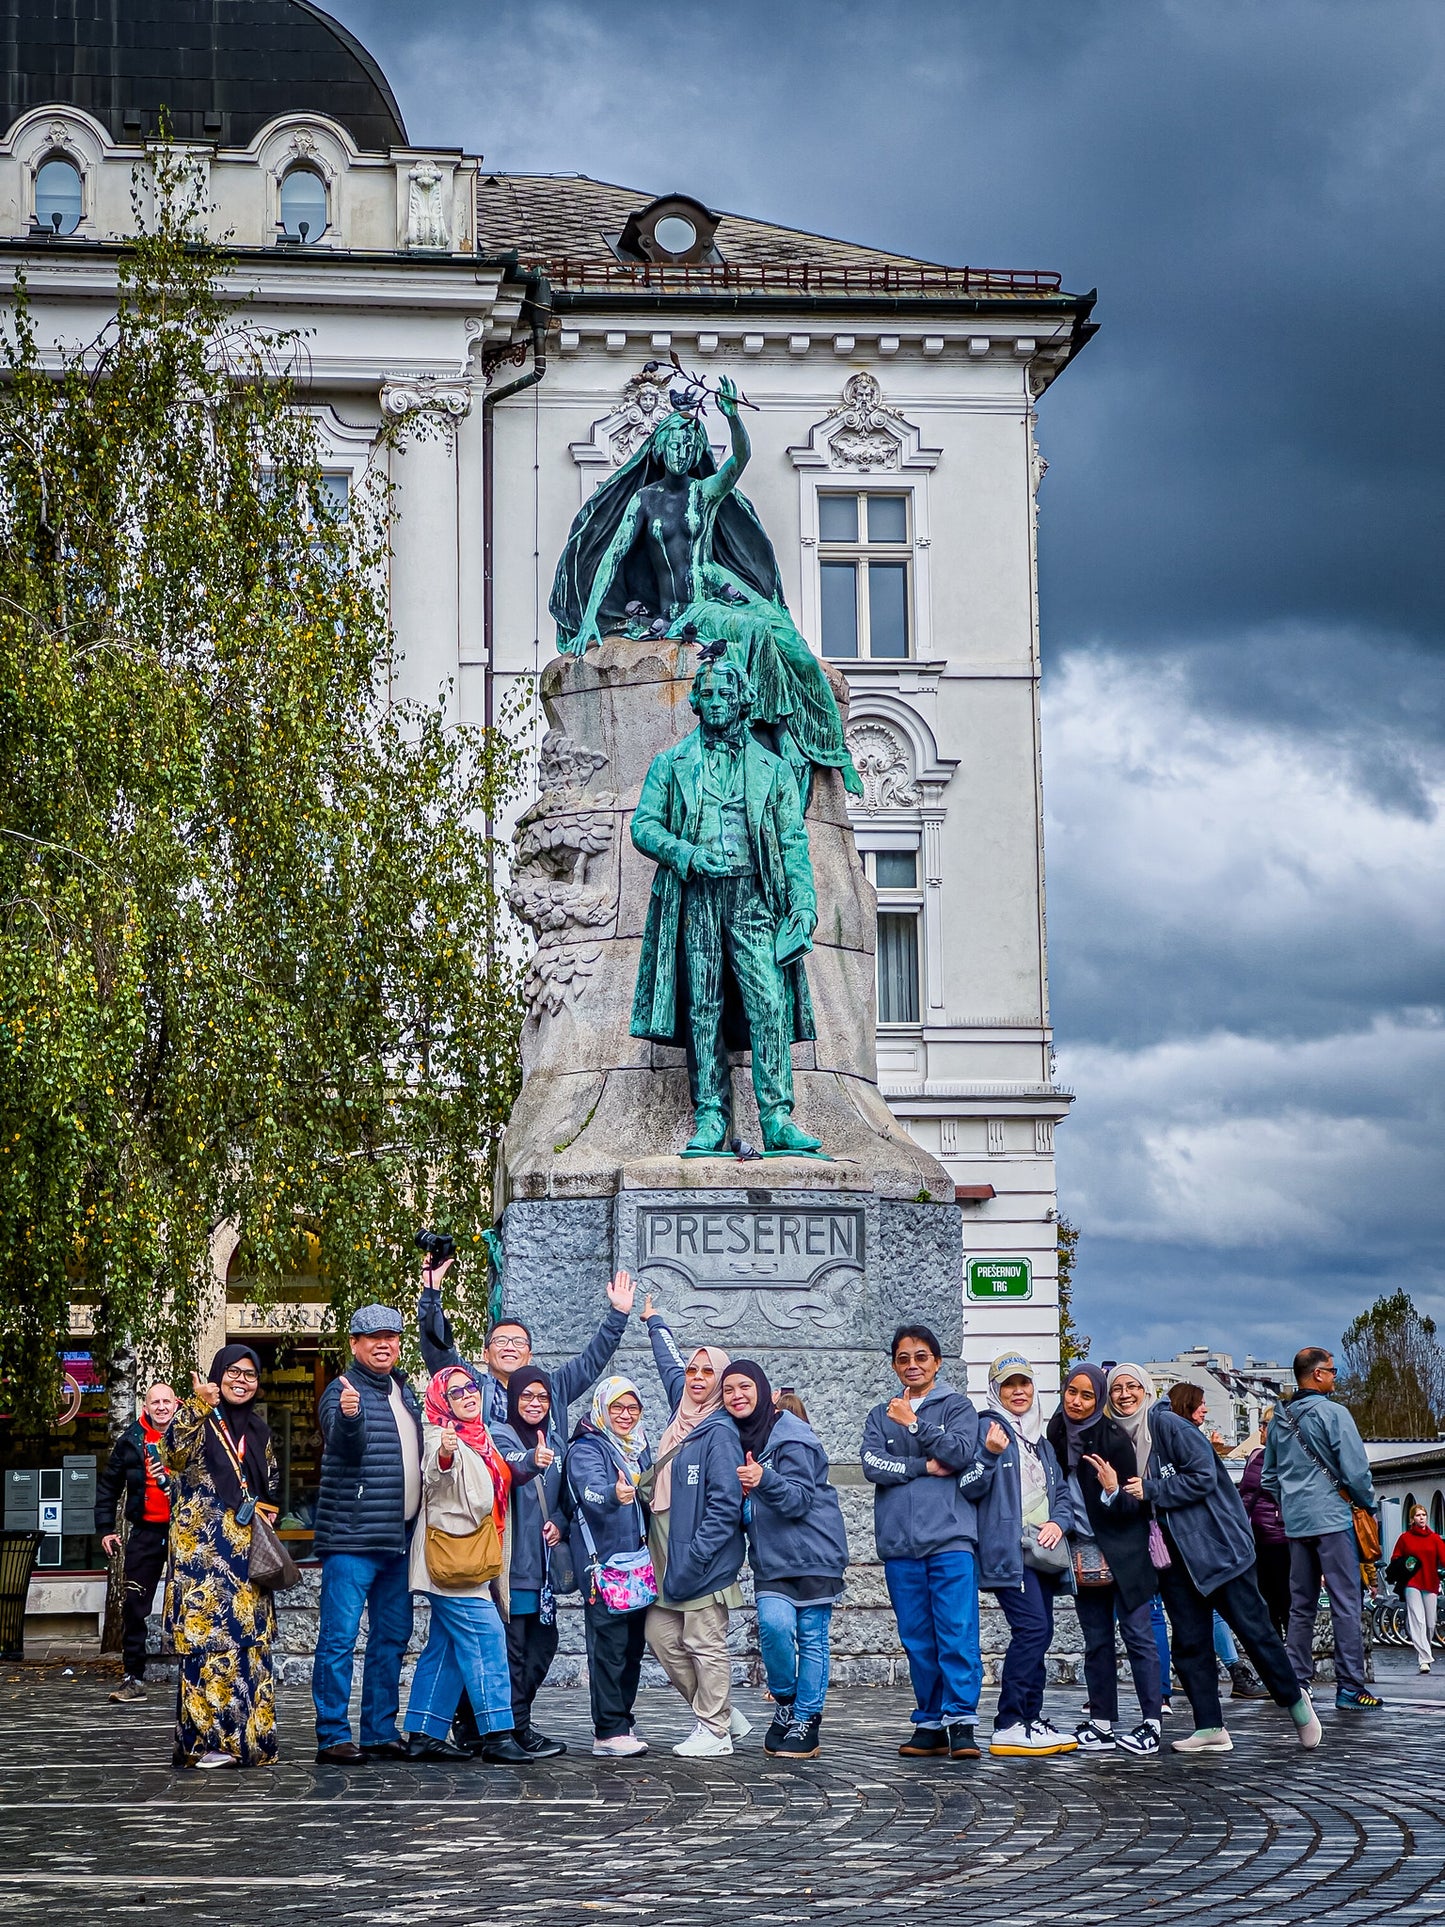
x: 732, y: 912
x: 670, y: 545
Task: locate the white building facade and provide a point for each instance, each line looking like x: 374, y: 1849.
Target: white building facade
x: 894, y: 467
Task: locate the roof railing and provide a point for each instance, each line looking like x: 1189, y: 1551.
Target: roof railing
x: 796, y: 277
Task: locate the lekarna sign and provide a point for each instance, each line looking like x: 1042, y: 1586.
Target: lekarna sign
x: 990, y: 1279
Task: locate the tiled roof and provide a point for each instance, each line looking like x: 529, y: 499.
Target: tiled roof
x: 560, y: 223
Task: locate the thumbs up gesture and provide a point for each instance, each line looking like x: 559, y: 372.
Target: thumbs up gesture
x: 750, y: 1474
x: 203, y: 1388
x: 350, y: 1398
x: 625, y: 1490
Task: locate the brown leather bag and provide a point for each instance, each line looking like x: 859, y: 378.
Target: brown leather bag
x: 461, y: 1561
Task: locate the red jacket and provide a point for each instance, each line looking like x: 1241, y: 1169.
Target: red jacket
x: 1429, y: 1548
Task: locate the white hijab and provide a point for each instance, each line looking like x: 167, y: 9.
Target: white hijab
x: 1030, y: 1424
x: 1137, y: 1423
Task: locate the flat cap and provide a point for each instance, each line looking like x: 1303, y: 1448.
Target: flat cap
x: 376, y: 1318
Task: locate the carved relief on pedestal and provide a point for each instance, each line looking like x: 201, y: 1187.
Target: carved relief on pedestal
x: 565, y: 875
x: 882, y: 760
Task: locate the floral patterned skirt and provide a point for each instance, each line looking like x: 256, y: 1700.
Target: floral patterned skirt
x: 222, y: 1628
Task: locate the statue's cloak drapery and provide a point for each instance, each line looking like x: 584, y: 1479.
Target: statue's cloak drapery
x: 739, y: 545
x: 664, y: 827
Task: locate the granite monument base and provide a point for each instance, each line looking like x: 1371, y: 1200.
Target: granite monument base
x: 809, y: 1281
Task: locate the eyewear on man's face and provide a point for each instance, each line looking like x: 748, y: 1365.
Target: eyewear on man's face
x: 517, y: 1344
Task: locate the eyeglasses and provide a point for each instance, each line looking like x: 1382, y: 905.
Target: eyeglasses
x: 241, y: 1377
x: 509, y: 1345
x: 462, y: 1391
x: 625, y: 1407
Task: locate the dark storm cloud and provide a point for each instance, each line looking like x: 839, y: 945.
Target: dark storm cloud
x: 1241, y: 543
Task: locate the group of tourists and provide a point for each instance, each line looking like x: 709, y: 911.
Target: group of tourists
x: 484, y: 1500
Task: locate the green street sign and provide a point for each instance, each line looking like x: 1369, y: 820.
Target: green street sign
x: 990, y: 1279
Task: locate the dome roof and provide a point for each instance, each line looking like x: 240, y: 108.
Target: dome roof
x: 221, y: 68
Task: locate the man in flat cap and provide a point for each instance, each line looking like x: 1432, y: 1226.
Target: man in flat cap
x: 370, y: 1496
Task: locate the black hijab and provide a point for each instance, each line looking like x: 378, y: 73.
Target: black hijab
x: 756, y: 1427
x: 530, y: 1435
x: 249, y: 1435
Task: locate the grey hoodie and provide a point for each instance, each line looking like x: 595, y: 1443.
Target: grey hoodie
x: 916, y: 1513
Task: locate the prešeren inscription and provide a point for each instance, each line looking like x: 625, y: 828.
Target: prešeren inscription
x: 759, y: 1245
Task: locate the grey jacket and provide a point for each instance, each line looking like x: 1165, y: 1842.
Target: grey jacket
x: 794, y: 1518
x: 529, y: 1550
x: 997, y: 1490
x: 915, y: 1513
x: 1308, y: 1497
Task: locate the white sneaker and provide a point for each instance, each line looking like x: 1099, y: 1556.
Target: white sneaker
x: 1205, y: 1739
x: 1034, y: 1741
x: 620, y: 1747
x: 703, y: 1744
x: 739, y: 1724
x: 1094, y: 1738
x: 216, y: 1759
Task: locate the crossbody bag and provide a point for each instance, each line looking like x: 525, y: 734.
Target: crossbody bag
x: 1367, y: 1526
x: 268, y: 1564
x: 628, y: 1580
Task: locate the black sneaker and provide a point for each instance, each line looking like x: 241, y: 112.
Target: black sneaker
x: 1245, y: 1683
x: 800, y: 1742
x: 538, y: 1744
x: 782, y: 1720
x: 1094, y: 1738
x: 925, y: 1743
x: 961, y: 1743
x: 1144, y: 1739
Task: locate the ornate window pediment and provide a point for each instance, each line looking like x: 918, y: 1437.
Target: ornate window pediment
x: 862, y: 435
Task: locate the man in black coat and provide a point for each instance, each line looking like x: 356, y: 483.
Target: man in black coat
x: 137, y: 1469
x: 369, y: 1499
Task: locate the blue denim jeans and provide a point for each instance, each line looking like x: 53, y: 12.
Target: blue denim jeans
x: 935, y: 1601
x: 794, y: 1644
x: 466, y: 1647
x: 1160, y: 1624
x: 353, y: 1582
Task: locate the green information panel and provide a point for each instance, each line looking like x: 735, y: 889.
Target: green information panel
x: 990, y: 1279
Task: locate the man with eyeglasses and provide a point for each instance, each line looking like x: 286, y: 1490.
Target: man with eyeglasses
x: 369, y: 1499
x: 509, y: 1346
x: 1315, y: 1468
x: 508, y: 1350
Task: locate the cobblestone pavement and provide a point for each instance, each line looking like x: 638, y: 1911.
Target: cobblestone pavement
x: 94, y: 1825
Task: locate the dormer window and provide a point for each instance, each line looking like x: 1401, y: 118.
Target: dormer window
x: 675, y: 231
x: 303, y: 205
x: 58, y: 195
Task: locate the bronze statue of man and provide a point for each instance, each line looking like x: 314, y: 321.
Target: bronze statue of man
x: 732, y: 912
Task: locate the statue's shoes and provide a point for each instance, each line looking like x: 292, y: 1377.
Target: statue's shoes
x: 781, y: 1134
x: 710, y: 1135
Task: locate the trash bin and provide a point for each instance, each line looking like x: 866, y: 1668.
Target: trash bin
x: 17, y: 1562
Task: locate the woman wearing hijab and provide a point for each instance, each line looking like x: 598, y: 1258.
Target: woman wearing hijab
x: 606, y: 1461
x: 534, y: 1459
x: 218, y: 1451
x: 1024, y: 1512
x: 1113, y: 1572
x: 798, y: 1551
x: 1204, y: 1551
x: 455, y: 1560
x: 696, y: 1538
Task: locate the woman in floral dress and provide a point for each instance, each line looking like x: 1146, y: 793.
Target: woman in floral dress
x: 219, y: 1452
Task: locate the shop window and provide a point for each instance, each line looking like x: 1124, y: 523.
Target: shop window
x: 894, y: 875
x: 865, y: 565
x: 58, y: 196
x: 303, y: 205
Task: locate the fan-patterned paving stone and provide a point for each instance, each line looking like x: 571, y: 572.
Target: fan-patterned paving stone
x: 95, y: 1824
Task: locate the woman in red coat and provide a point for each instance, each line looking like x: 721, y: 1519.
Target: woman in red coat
x: 1419, y: 1560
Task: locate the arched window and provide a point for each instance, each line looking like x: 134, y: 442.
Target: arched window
x: 1437, y: 1514
x: 303, y: 205
x: 58, y: 195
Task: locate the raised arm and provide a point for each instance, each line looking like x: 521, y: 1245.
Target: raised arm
x: 667, y: 1358
x: 726, y: 479
x: 571, y: 1380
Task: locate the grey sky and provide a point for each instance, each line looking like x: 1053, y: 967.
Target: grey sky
x: 1241, y: 547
